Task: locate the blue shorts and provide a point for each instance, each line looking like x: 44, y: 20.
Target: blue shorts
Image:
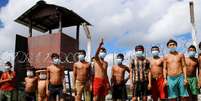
x: 176, y: 87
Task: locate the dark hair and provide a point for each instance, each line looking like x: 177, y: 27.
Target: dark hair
x: 82, y: 51
x: 92, y: 58
x: 54, y: 55
x: 192, y: 46
x: 103, y: 49
x: 9, y: 63
x: 139, y: 47
x: 154, y: 47
x: 171, y: 41
x: 200, y: 45
x: 120, y: 55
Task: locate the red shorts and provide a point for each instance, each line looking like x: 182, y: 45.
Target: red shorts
x: 100, y: 86
x: 158, y: 89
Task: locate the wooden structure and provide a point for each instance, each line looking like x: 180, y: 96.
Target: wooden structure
x: 47, y: 17
x: 36, y: 50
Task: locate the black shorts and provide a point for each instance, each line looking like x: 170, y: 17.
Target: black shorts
x: 119, y: 92
x: 140, y: 89
x: 30, y: 96
x: 55, y: 90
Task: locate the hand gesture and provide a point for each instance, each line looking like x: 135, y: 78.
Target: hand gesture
x: 185, y: 82
x: 165, y: 82
x: 101, y: 43
x: 149, y: 86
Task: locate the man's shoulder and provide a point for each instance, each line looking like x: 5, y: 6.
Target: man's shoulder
x: 181, y: 54
x: 105, y: 62
x: 199, y: 55
x: 49, y: 66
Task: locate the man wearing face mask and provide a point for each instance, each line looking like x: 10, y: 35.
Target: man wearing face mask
x: 81, y: 73
x: 175, y: 73
x: 117, y: 81
x: 139, y: 75
x: 7, y: 81
x: 55, y: 79
x: 42, y: 85
x: 101, y: 82
x: 30, y: 85
x: 191, y: 70
x: 158, y: 89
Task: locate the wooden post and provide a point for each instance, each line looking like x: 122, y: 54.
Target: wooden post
x: 78, y: 35
x: 50, y: 31
x: 30, y: 28
x: 60, y: 23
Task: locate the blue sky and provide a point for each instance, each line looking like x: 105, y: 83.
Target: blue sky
x: 2, y: 3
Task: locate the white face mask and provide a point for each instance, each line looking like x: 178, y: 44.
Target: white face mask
x: 102, y: 55
x: 139, y: 54
x: 7, y: 68
x: 155, y: 53
x: 81, y: 57
x: 43, y: 76
x: 30, y: 73
x: 56, y: 61
x: 119, y: 61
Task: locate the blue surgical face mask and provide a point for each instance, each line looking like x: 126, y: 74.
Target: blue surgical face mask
x: 173, y: 49
x: 56, y: 61
x: 81, y: 57
x: 139, y: 53
x: 43, y: 76
x: 7, y: 68
x: 191, y: 53
x: 119, y: 61
x: 155, y: 53
x: 102, y: 55
x: 30, y: 73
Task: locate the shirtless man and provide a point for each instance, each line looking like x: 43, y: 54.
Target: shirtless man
x: 100, y: 83
x: 191, y: 70
x: 140, y: 75
x: 30, y: 85
x: 117, y: 81
x: 7, y: 82
x: 55, y: 79
x: 42, y: 85
x: 81, y: 71
x: 158, y: 89
x: 175, y: 73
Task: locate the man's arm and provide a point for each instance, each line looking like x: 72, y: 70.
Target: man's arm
x: 89, y: 72
x: 184, y: 66
x: 6, y: 80
x: 149, y: 74
x: 74, y: 75
x: 47, y: 81
x: 3, y: 81
x: 106, y: 71
x: 165, y: 68
x: 98, y: 50
x: 199, y: 69
x: 64, y: 80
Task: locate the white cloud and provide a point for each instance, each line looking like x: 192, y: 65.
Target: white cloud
x: 127, y: 22
x: 144, y: 20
